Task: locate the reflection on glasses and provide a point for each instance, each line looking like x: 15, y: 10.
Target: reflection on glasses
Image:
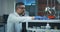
x: 21, y: 7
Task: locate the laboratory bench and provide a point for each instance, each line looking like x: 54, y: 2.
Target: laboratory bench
x: 40, y: 25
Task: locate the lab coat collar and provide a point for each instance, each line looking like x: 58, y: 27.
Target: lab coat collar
x: 17, y: 14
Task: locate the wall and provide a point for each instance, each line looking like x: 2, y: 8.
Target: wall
x: 6, y: 6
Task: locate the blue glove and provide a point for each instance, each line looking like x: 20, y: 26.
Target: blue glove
x: 41, y: 18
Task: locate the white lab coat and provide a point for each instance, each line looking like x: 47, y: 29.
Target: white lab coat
x: 14, y: 22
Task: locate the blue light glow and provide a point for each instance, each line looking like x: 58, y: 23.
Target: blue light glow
x: 27, y: 2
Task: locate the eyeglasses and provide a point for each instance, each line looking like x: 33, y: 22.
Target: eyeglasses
x: 21, y: 7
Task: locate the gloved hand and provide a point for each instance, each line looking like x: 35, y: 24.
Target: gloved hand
x: 41, y: 18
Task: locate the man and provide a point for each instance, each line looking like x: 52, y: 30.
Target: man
x: 14, y: 22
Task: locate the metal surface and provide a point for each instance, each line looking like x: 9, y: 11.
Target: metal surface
x: 41, y: 30
x: 49, y: 21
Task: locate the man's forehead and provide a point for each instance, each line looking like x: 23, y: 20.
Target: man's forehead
x: 22, y: 6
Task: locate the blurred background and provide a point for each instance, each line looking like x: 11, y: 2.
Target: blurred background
x: 33, y: 8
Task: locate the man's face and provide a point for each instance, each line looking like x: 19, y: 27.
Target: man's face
x: 20, y: 9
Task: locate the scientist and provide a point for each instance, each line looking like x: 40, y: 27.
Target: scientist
x: 14, y: 22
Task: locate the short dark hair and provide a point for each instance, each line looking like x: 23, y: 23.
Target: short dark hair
x: 18, y: 4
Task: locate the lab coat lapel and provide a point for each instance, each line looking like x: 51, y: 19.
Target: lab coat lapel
x: 18, y: 26
x: 16, y: 14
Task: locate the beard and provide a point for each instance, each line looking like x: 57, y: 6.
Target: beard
x: 22, y: 13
